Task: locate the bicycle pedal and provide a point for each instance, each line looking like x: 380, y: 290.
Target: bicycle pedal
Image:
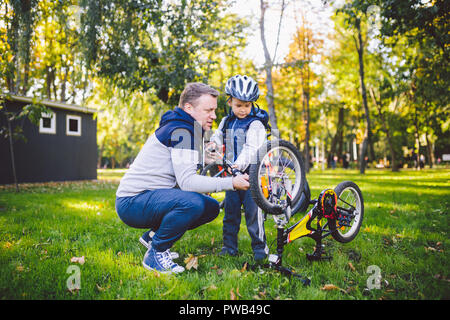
x: 273, y: 258
x: 317, y: 257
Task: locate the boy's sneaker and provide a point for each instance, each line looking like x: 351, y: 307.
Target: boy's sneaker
x: 161, y: 262
x: 260, y: 256
x: 146, y: 241
x: 227, y: 252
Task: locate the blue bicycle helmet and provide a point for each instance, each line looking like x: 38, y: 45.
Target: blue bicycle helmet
x: 243, y: 88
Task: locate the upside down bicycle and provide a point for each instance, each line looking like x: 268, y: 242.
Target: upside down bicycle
x: 278, y: 186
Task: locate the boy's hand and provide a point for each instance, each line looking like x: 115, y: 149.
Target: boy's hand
x: 230, y: 169
x: 241, y: 182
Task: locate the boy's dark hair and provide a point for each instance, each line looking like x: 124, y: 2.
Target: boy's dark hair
x: 195, y: 90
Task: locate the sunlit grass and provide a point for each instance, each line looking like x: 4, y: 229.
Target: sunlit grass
x: 405, y: 233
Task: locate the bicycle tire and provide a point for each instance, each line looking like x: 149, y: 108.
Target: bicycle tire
x: 359, y: 204
x: 303, y: 203
x: 210, y: 168
x: 271, y: 147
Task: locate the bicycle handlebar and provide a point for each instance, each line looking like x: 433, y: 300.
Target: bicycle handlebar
x: 228, y: 164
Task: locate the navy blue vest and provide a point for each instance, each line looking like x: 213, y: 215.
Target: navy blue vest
x: 235, y: 131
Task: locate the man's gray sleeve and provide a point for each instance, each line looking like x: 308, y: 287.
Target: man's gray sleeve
x: 184, y: 163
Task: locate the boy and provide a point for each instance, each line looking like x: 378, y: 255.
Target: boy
x: 242, y: 132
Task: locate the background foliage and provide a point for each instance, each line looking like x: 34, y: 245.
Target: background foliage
x: 131, y: 60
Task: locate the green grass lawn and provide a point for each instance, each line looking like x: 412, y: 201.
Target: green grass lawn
x: 405, y: 234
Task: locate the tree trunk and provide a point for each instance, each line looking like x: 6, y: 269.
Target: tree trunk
x: 307, y: 133
x: 368, y: 131
x: 386, y: 129
x: 362, y: 156
x: 268, y: 69
x: 48, y: 81
x: 63, y: 85
x: 337, y: 142
x: 429, y: 151
x: 11, y: 149
x: 417, y: 140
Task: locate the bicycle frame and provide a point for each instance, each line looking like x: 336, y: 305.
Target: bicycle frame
x: 303, y: 228
x: 330, y: 218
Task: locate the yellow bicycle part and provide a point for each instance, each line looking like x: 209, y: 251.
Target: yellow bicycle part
x: 264, y: 186
x: 300, y: 230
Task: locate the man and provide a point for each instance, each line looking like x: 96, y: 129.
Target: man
x: 161, y: 191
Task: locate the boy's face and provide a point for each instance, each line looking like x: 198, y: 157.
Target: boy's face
x: 240, y: 108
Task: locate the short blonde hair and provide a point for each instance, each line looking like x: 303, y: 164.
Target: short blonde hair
x: 195, y: 90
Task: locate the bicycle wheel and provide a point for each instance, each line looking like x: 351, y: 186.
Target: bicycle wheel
x: 350, y: 212
x: 303, y: 203
x: 277, y: 177
x: 214, y: 170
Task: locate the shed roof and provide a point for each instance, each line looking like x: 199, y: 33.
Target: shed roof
x: 49, y: 103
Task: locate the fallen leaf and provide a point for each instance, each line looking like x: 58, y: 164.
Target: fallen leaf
x: 351, y: 266
x: 100, y: 288
x: 233, y: 295
x: 79, y: 260
x: 191, y: 262
x: 330, y: 287
x: 244, y: 267
x: 212, y: 240
x: 263, y: 294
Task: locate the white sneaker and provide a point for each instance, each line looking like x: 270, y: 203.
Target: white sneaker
x: 161, y: 262
x: 146, y: 241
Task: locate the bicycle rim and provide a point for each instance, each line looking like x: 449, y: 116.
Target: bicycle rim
x: 347, y: 199
x: 279, y: 176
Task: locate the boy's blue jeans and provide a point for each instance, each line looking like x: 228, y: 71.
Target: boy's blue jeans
x: 168, y: 212
x: 232, y: 222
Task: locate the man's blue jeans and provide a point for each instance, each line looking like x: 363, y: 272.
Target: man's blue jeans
x: 168, y: 212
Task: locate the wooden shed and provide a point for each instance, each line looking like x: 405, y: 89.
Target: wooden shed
x: 63, y: 147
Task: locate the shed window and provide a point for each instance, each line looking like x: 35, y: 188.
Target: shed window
x: 73, y: 125
x: 47, y: 123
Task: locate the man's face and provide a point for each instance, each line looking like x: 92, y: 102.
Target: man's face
x: 240, y: 108
x: 204, y: 110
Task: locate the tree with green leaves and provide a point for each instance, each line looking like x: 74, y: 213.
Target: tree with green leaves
x: 356, y: 17
x: 156, y: 45
x: 304, y: 49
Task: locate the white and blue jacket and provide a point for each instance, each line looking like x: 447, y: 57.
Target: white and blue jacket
x: 242, y: 137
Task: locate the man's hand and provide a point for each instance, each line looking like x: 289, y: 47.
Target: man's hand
x: 240, y: 182
x: 211, y: 153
